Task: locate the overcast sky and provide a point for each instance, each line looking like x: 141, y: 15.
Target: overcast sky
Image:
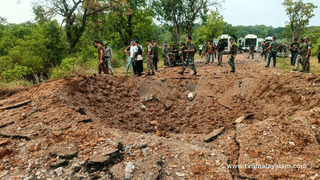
x: 235, y: 12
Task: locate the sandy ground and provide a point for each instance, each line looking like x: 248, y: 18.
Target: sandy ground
x: 256, y: 123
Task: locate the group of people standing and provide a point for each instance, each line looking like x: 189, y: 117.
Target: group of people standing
x: 211, y: 51
x: 300, y: 54
x: 105, y: 56
x: 135, y: 55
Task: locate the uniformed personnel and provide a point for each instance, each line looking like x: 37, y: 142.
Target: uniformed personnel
x: 273, y: 48
x: 306, y: 50
x: 108, y: 57
x: 190, y: 52
x: 251, y: 50
x: 299, y: 59
x: 155, y: 52
x: 150, y: 56
x: 232, y: 54
x: 101, y: 66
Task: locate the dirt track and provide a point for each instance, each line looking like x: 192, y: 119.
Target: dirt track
x: 84, y: 117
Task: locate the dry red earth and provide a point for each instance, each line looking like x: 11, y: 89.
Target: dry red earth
x: 72, y: 128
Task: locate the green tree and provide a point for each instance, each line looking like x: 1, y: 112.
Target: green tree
x: 212, y: 28
x: 173, y: 15
x: 299, y: 14
x: 179, y: 16
x: 76, y: 14
x: 41, y: 15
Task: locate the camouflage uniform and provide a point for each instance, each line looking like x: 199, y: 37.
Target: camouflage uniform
x: 164, y: 55
x: 251, y: 51
x: 150, y: 59
x: 233, y: 52
x: 189, y: 58
x: 265, y: 51
x: 299, y: 58
x: 108, y: 57
x: 155, y: 53
x: 306, y: 61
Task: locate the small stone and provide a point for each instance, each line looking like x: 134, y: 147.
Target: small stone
x: 240, y: 119
x: 5, y: 142
x: 252, y: 153
x: 212, y: 154
x: 313, y: 121
x: 31, y: 148
x: 196, y: 169
x: 168, y: 104
x: 190, y: 96
x: 292, y: 143
x: 213, y: 135
x: 98, y: 158
x: 138, y: 155
x: 142, y: 106
x: 5, y: 152
x: 106, y: 132
x: 53, y: 159
x: 59, y: 171
x: 153, y: 122
x: 56, y: 133
x: 180, y: 174
x: 2, y: 167
x: 158, y: 133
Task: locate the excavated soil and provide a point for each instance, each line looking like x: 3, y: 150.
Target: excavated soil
x: 81, y: 117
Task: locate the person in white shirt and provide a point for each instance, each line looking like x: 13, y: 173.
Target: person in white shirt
x: 129, y: 52
x: 200, y: 49
x: 137, y: 58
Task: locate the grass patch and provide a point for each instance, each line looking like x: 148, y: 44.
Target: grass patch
x: 285, y: 66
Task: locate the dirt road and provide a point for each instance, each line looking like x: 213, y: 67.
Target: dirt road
x: 90, y: 127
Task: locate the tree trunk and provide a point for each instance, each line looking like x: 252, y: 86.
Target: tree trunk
x: 292, y: 30
x: 190, y: 30
x: 176, y: 34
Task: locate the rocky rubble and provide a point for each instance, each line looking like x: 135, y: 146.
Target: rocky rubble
x: 90, y: 127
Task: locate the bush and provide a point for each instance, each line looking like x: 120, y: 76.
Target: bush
x: 66, y: 68
x: 73, y: 66
x: 13, y: 74
x: 315, y: 48
x: 119, y: 58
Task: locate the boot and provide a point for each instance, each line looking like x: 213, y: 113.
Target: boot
x: 195, y: 73
x: 233, y: 70
x: 153, y: 73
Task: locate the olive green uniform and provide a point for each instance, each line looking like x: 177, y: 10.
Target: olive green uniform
x: 306, y: 60
x: 251, y: 51
x: 150, y: 59
x: 233, y: 52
